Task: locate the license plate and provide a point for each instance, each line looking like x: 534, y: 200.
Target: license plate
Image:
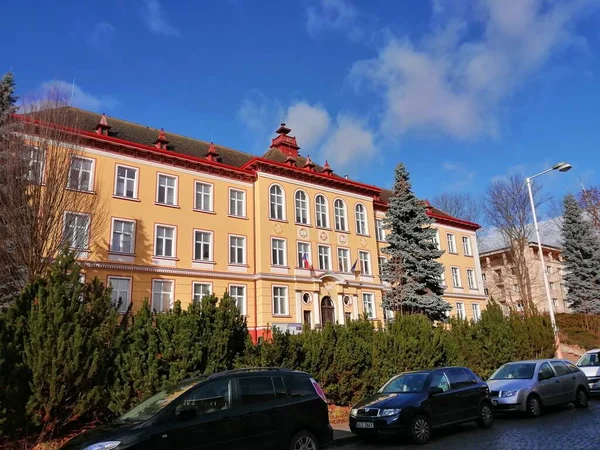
x: 364, y: 424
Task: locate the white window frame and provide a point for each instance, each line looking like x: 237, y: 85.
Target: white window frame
x: 112, y: 238
x: 244, y: 240
x: 461, y: 312
x: 362, y: 226
x: 308, y: 256
x: 344, y: 268
x: 171, y: 293
x: 451, y: 241
x: 271, y: 203
x: 321, y: 214
x: 471, y: 279
x: 436, y: 239
x: 36, y: 166
x: 211, y: 193
x: 281, y: 300
x: 200, y: 283
x: 135, y: 182
x: 476, y: 312
x: 90, y: 187
x: 340, y: 215
x: 283, y: 262
x: 455, y: 271
x: 301, y: 208
x: 365, y: 263
x: 87, y: 229
x: 467, y: 249
x: 381, y: 260
x: 443, y: 276
x: 379, y: 230
x: 372, y: 311
x: 175, y: 189
x: 328, y: 247
x: 174, y: 246
x: 123, y: 308
x: 210, y: 245
x: 244, y: 297
x: 243, y: 201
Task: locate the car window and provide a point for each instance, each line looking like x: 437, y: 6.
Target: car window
x: 573, y: 368
x: 560, y: 368
x: 406, y: 382
x: 299, y: 385
x: 546, y: 371
x: 254, y: 390
x: 215, y: 396
x: 459, y: 378
x: 440, y: 380
x: 279, y: 385
x: 590, y: 359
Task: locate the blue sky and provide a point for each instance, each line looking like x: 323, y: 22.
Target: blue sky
x: 461, y: 92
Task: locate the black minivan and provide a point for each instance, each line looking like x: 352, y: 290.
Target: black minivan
x: 238, y: 409
x: 414, y: 403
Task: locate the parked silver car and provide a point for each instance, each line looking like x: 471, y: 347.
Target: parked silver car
x: 589, y: 364
x: 528, y: 386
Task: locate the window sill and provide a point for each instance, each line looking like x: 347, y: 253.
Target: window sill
x: 300, y: 224
x: 452, y: 253
x: 342, y: 231
x: 323, y: 228
x: 202, y: 261
x: 238, y: 265
x: 468, y: 256
x: 238, y: 217
x: 363, y: 235
x: 277, y: 266
x: 383, y: 241
x: 203, y: 211
x: 113, y: 252
x: 81, y: 191
x: 278, y: 220
x: 167, y: 205
x: 165, y: 258
x: 282, y: 316
x: 121, y: 197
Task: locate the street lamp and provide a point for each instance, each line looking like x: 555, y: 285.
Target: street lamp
x: 561, y: 167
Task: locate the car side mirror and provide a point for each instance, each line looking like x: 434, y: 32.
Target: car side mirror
x: 186, y: 413
x: 435, y: 390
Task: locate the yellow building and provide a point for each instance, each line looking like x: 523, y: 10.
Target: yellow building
x: 291, y: 241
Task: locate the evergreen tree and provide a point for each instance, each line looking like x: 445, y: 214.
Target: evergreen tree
x: 412, y: 268
x: 7, y: 97
x: 582, y: 254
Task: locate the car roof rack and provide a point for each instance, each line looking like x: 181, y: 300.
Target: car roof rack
x: 251, y: 369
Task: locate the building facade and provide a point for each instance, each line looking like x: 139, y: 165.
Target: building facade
x: 291, y: 241
x: 501, y: 282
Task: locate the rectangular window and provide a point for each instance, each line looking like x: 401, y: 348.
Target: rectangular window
x: 552, y: 286
x: 165, y: 241
x: 307, y: 318
x: 122, y: 236
x: 451, y: 243
x: 162, y: 295
x: 324, y: 257
x: 365, y: 262
x: 280, y: 303
x: 77, y: 230
x: 369, y: 304
x: 467, y: 246
x: 278, y: 252
x: 126, y: 183
x: 80, y: 174
x: 516, y: 288
x: 443, y: 277
x: 471, y: 279
x: 381, y: 261
x: 555, y: 302
x: 238, y: 293
x: 167, y: 190
x: 303, y: 255
x: 36, y: 162
x: 476, y: 312
x: 379, y: 231
x: 199, y: 291
x: 460, y: 311
x: 519, y: 306
x: 456, y: 277
x: 436, y: 240
x: 256, y: 390
x: 203, y: 198
x: 237, y: 203
x: 548, y: 270
x: 343, y: 259
x: 120, y: 294
x: 202, y: 245
x: 237, y: 250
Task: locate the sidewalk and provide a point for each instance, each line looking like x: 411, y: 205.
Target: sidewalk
x: 342, y: 435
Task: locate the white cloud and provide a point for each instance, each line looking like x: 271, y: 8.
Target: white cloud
x: 259, y: 113
x: 64, y: 90
x: 334, y: 15
x: 454, y: 78
x: 461, y: 176
x: 101, y: 35
x: 351, y: 141
x: 156, y: 20
x: 309, y: 124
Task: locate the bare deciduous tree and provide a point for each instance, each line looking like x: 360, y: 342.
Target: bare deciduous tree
x: 44, y: 194
x: 589, y: 200
x: 460, y: 205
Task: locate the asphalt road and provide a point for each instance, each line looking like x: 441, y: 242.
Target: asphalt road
x: 561, y: 428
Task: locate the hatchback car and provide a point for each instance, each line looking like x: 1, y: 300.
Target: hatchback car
x: 589, y: 364
x: 240, y: 409
x: 528, y: 386
x: 414, y: 403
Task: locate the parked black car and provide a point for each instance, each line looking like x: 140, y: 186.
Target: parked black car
x: 414, y: 403
x: 239, y: 409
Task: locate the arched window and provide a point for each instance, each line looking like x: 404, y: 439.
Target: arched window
x: 322, y: 215
x: 301, y: 207
x: 339, y: 212
x: 361, y: 219
x: 276, y: 202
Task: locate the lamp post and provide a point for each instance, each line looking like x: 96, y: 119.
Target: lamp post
x: 561, y: 167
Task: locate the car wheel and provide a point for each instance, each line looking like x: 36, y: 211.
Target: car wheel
x: 581, y: 399
x: 420, y: 430
x: 486, y: 416
x: 534, y: 406
x: 304, y: 440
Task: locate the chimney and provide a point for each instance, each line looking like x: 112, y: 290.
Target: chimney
x: 284, y: 143
x: 309, y: 165
x: 327, y: 170
x: 212, y: 154
x: 161, y: 142
x: 103, y: 126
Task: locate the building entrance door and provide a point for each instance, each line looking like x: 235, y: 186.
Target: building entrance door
x: 327, y: 310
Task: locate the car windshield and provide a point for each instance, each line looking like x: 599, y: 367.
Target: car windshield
x: 407, y: 382
x: 589, y: 360
x: 517, y: 371
x: 156, y: 403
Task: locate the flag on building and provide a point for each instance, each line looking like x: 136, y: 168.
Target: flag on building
x: 353, y: 269
x: 305, y: 262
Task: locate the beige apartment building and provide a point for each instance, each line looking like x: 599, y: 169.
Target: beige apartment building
x: 501, y: 283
